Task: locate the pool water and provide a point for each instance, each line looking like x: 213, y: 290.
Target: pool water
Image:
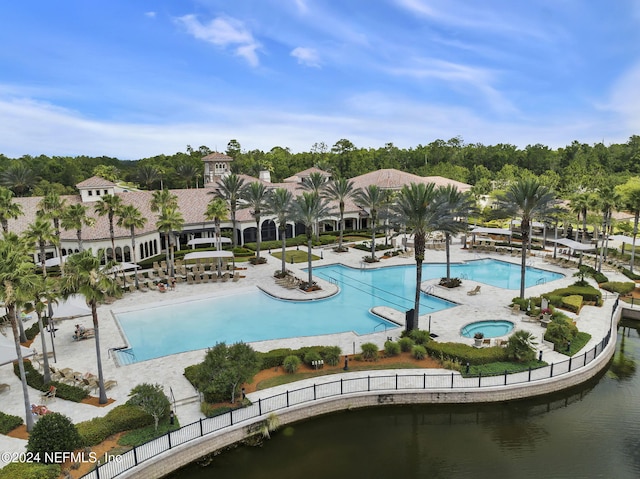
x: 195, y: 324
x: 490, y: 329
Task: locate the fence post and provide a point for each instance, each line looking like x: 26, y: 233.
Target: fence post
x: 424, y: 381
x: 231, y: 417
x: 287, y: 398
x: 98, y: 470
x: 201, y: 428
x: 529, y: 374
x: 480, y: 379
x: 368, y: 383
x: 314, y: 391
x: 451, y: 380
x: 169, y: 438
x: 551, y: 374
x: 341, y: 386
x: 259, y: 407
x: 505, y: 377
x: 396, y: 382
x: 570, y: 364
x: 135, y: 455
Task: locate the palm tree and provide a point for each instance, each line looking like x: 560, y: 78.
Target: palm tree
x: 18, y: 177
x: 85, y: 276
x: 130, y: 217
x: 371, y: 198
x: 340, y: 190
x: 163, y: 201
x: 609, y: 199
x: 420, y: 209
x: 315, y: 183
x: 630, y: 192
x: 8, y: 209
x: 459, y: 206
x: 16, y: 274
x: 108, y: 206
x: 217, y: 211
x: 148, y: 175
x: 40, y: 233
x: 254, y: 196
x: 73, y: 218
x: 52, y: 207
x: 306, y: 209
x: 43, y: 288
x: 580, y: 204
x: 279, y: 204
x: 526, y: 198
x: 169, y: 221
x: 187, y: 172
x: 229, y: 188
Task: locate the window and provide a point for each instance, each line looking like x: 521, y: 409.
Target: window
x: 97, y: 192
x: 105, y: 192
x: 90, y: 193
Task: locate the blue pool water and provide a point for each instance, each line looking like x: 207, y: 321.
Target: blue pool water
x: 490, y: 329
x: 255, y: 316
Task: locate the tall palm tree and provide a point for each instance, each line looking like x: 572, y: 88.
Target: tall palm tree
x: 229, y: 188
x: 108, y: 206
x: 148, y: 175
x: 315, y: 183
x: 371, y: 198
x: 163, y: 201
x: 279, y: 203
x: 529, y: 199
x: 43, y: 288
x: 420, y: 209
x: 580, y: 204
x: 254, y: 196
x: 630, y: 193
x: 169, y: 221
x: 188, y: 172
x: 306, y: 209
x: 8, y: 209
x: 16, y: 273
x: 73, y: 218
x: 458, y: 206
x: 217, y: 210
x: 52, y: 207
x: 40, y: 232
x: 18, y: 177
x: 609, y: 199
x: 340, y: 190
x: 84, y: 275
x: 130, y: 217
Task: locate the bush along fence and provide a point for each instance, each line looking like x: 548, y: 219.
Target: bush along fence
x: 296, y: 397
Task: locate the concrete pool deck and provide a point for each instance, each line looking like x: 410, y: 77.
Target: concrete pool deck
x: 490, y: 303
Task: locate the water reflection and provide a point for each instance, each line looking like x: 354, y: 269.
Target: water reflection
x: 591, y: 431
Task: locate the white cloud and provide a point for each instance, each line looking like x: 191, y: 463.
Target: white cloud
x: 224, y: 32
x: 150, y: 14
x: 306, y: 56
x: 625, y: 97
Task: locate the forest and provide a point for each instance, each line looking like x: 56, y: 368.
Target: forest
x: 578, y: 167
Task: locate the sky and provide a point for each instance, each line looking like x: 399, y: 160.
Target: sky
x: 135, y: 79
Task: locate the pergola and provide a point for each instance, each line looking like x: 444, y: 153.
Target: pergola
x: 214, y: 241
x: 489, y: 231
x: 197, y: 255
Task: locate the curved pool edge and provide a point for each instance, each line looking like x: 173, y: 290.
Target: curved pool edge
x: 189, y: 452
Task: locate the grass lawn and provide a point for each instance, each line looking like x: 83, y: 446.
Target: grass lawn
x: 298, y: 256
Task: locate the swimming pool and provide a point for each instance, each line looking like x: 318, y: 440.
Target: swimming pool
x: 255, y: 316
x: 490, y: 329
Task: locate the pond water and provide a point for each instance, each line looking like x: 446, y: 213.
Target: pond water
x: 589, y: 432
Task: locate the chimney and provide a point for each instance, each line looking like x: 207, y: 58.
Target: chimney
x: 265, y: 175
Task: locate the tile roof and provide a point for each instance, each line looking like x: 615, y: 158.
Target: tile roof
x: 215, y: 156
x: 95, y: 182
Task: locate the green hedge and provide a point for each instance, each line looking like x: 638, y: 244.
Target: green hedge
x: 629, y: 274
x: 121, y: 418
x: 465, y: 353
x: 33, y: 331
x: 618, y: 287
x: 573, y: 303
x: 8, y: 422
x: 36, y: 381
x: 589, y: 293
x: 30, y: 470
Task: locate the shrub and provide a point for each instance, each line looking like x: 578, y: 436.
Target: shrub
x: 391, y: 348
x: 559, y: 331
x: 589, y: 293
x: 450, y: 283
x: 311, y: 356
x: 53, y: 432
x: 600, y: 277
x: 629, y: 274
x: 520, y: 347
x: 274, y: 358
x: 572, y: 303
x: 420, y: 336
x: 464, y: 353
x: 619, y: 287
x: 331, y: 355
x: 369, y: 352
x: 151, y: 399
x: 33, y: 331
x: 36, y: 381
x: 94, y: 431
x: 9, y: 423
x: 121, y: 418
x: 30, y: 470
x: 405, y: 344
x: 291, y: 364
x: 418, y: 352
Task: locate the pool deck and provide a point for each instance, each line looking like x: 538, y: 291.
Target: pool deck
x: 490, y: 304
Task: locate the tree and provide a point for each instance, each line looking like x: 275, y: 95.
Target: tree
x: 8, y: 209
x: 85, y: 276
x: 529, y: 199
x: 254, y: 196
x: 458, y: 206
x: 108, y: 206
x: 52, y: 433
x: 580, y: 203
x: 279, y: 203
x: 188, y: 172
x: 630, y: 193
x: 340, y: 190
x: 225, y: 369
x: 73, y: 218
x: 229, y: 188
x: 169, y: 221
x: 343, y: 149
x: 608, y: 200
x: 108, y: 172
x: 130, y: 217
x: 151, y: 399
x: 418, y: 208
x: 18, y: 177
x: 217, y: 211
x: 43, y: 288
x: 306, y: 209
x: 162, y: 202
x: 520, y: 346
x: 52, y: 207
x: 315, y: 183
x: 40, y: 232
x: 148, y: 175
x: 371, y: 199
x: 16, y: 275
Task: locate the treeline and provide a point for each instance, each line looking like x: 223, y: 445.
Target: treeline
x: 576, y: 167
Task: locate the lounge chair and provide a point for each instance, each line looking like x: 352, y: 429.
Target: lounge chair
x: 474, y: 291
x: 236, y: 277
x: 4, y: 387
x: 515, y: 309
x: 49, y: 395
x: 110, y: 383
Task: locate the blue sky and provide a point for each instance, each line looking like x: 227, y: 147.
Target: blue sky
x: 134, y: 79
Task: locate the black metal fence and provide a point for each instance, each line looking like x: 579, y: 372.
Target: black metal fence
x: 117, y: 464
